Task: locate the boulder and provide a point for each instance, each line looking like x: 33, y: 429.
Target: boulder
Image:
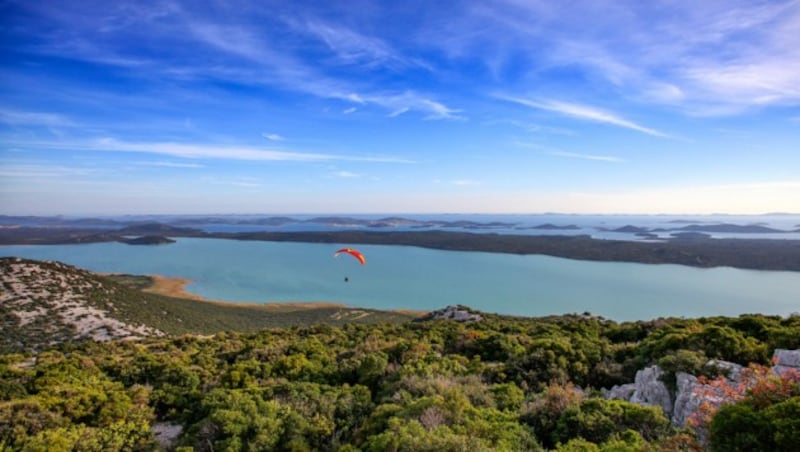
x: 650, y: 390
x: 687, y: 398
x: 786, y: 358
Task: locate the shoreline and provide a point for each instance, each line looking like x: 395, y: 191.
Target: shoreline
x: 175, y: 287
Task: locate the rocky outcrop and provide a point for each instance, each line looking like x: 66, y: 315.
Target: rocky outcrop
x: 47, y: 303
x: 688, y: 398
x: 729, y: 370
x: 621, y: 392
x: 647, y: 389
x: 690, y: 394
x: 457, y: 313
x: 785, y: 360
x: 651, y: 390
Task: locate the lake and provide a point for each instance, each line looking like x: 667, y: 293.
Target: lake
x: 400, y: 277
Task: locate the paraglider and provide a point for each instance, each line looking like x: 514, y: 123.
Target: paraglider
x: 355, y: 253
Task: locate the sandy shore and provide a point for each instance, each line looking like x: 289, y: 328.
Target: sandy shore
x: 176, y: 287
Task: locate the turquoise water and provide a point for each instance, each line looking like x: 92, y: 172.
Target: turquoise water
x: 399, y: 277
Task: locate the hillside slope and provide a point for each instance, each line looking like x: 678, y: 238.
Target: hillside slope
x: 47, y: 303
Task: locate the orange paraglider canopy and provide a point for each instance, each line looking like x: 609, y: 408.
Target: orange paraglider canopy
x: 355, y: 253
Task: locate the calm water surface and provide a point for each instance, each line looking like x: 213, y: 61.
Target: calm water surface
x: 399, y: 277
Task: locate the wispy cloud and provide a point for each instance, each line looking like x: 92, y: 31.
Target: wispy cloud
x: 240, y: 182
x: 583, y: 112
x: 714, y: 57
x: 47, y: 171
x: 351, y: 47
x: 600, y: 158
x: 272, y: 136
x: 567, y: 154
x: 16, y: 117
x: 168, y: 164
x: 202, y: 151
x: 346, y: 174
x: 290, y: 72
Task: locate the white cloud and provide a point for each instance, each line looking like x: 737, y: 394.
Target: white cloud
x: 346, y: 174
x: 16, y: 117
x: 601, y: 158
x: 398, y: 112
x: 714, y: 57
x: 202, y: 151
x: 168, y: 164
x: 272, y: 136
x: 35, y: 171
x: 347, y: 111
x: 584, y: 112
x: 285, y: 70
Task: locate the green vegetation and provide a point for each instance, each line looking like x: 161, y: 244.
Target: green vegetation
x: 499, y: 384
x: 44, y: 285
x: 325, y: 380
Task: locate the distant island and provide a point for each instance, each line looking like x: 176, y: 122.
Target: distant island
x: 690, y: 248
x: 149, y: 240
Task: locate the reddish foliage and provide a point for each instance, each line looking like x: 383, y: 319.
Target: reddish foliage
x: 759, y: 384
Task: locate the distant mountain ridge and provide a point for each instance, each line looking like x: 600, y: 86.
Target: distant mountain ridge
x: 182, y: 224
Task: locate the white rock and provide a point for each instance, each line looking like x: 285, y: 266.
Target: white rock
x: 786, y: 358
x: 687, y: 398
x: 650, y: 390
x: 731, y: 371
x: 621, y: 392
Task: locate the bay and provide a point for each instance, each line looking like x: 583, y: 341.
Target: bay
x: 400, y: 277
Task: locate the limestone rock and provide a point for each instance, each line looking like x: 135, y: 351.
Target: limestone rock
x: 650, y: 390
x: 786, y: 358
x: 457, y: 313
x: 621, y: 392
x: 731, y: 371
x: 687, y: 398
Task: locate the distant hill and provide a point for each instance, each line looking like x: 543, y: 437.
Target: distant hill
x: 149, y: 240
x: 43, y: 304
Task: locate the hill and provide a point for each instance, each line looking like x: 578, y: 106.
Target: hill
x: 43, y: 304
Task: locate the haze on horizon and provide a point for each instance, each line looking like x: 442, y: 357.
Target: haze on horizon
x: 365, y: 106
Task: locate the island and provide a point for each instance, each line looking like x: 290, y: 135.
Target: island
x: 149, y: 240
x: 756, y: 254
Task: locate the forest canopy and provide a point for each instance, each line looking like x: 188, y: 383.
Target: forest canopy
x: 501, y: 383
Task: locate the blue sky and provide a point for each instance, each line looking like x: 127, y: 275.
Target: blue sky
x: 399, y: 107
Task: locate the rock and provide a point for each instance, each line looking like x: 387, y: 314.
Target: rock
x: 621, y: 392
x: 166, y: 434
x: 650, y: 390
x: 786, y: 358
x: 687, y: 398
x: 457, y: 313
x: 785, y: 361
x: 731, y: 371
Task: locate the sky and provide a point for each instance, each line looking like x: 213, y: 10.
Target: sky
x: 358, y: 106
